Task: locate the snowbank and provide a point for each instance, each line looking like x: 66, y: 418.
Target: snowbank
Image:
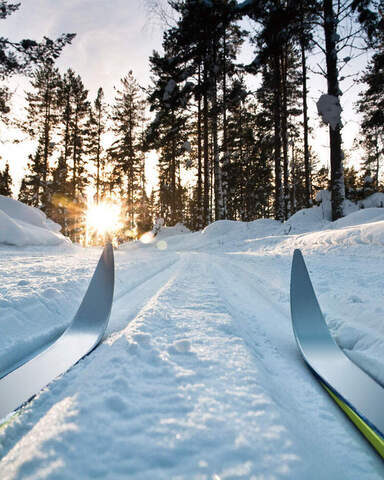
x: 22, y: 225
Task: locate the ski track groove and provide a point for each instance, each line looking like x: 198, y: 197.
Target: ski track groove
x: 248, y: 325
x: 163, y: 346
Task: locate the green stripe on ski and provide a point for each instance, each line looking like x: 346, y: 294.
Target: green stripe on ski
x: 376, y: 440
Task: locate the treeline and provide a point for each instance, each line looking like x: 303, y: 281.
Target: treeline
x: 70, y: 130
x: 249, y: 151
x: 252, y: 150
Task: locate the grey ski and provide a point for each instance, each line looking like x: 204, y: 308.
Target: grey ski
x: 82, y: 335
x: 346, y: 382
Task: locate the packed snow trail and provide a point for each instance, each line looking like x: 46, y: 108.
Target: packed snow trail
x: 201, y: 379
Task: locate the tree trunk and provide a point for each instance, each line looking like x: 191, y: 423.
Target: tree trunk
x: 199, y: 159
x: 284, y: 131
x: 224, y: 179
x: 206, y: 146
x: 98, y: 156
x: 216, y: 154
x: 75, y: 134
x: 307, y: 165
x: 337, y: 171
x: 279, y: 200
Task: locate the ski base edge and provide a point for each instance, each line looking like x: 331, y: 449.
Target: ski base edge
x: 373, y: 438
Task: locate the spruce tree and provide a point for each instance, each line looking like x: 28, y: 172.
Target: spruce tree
x: 126, y: 151
x: 6, y: 182
x: 168, y: 132
x: 74, y: 109
x: 42, y: 113
x: 31, y: 190
x: 96, y: 127
x: 371, y: 106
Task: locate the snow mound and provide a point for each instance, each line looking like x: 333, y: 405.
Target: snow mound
x: 178, y: 229
x: 264, y: 227
x: 374, y: 200
x: 224, y: 227
x: 22, y: 225
x: 360, y: 217
x: 307, y: 220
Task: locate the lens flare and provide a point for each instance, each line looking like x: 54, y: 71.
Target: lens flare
x: 103, y: 218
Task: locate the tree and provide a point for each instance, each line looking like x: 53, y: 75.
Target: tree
x: 203, y: 46
x: 31, y: 187
x: 168, y: 132
x: 20, y: 57
x: 126, y: 151
x: 73, y: 115
x: 6, y: 182
x: 62, y: 206
x: 42, y: 112
x: 96, y: 127
x: 278, y: 31
x: 282, y: 21
x: 371, y: 106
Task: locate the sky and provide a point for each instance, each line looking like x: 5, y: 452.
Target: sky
x: 115, y: 36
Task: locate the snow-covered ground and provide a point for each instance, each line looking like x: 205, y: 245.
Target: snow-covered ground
x: 198, y: 376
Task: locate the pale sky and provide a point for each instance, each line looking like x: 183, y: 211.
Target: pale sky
x: 113, y: 37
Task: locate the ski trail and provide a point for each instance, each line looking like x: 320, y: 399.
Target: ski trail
x: 210, y: 414
x: 183, y: 388
x: 266, y: 326
x: 135, y: 285
x: 128, y: 302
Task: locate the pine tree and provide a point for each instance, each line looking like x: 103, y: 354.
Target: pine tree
x: 126, y: 151
x: 74, y: 108
x: 42, y: 105
x: 62, y: 206
x: 203, y: 46
x: 6, y: 182
x: 371, y: 106
x: 168, y: 132
x: 31, y: 187
x: 96, y: 128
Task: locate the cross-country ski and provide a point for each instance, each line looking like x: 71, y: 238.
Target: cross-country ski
x: 361, y: 397
x: 83, y: 334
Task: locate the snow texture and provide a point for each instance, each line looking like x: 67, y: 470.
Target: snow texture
x: 198, y: 376
x: 329, y: 108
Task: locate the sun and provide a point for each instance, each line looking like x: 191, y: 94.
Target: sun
x: 103, y: 218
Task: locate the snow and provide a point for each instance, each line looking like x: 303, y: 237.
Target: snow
x: 328, y: 107
x: 168, y: 90
x: 187, y: 146
x: 22, y: 225
x: 198, y: 376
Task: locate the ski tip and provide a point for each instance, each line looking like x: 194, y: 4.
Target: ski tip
x: 297, y: 254
x: 297, y: 262
x: 107, y: 257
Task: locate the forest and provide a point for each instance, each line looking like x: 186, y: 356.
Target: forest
x: 248, y: 151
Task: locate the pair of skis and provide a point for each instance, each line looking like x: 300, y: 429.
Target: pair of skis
x: 355, y: 392
x: 83, y: 335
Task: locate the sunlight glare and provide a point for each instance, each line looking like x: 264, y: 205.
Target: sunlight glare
x: 147, y: 237
x: 103, y: 218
